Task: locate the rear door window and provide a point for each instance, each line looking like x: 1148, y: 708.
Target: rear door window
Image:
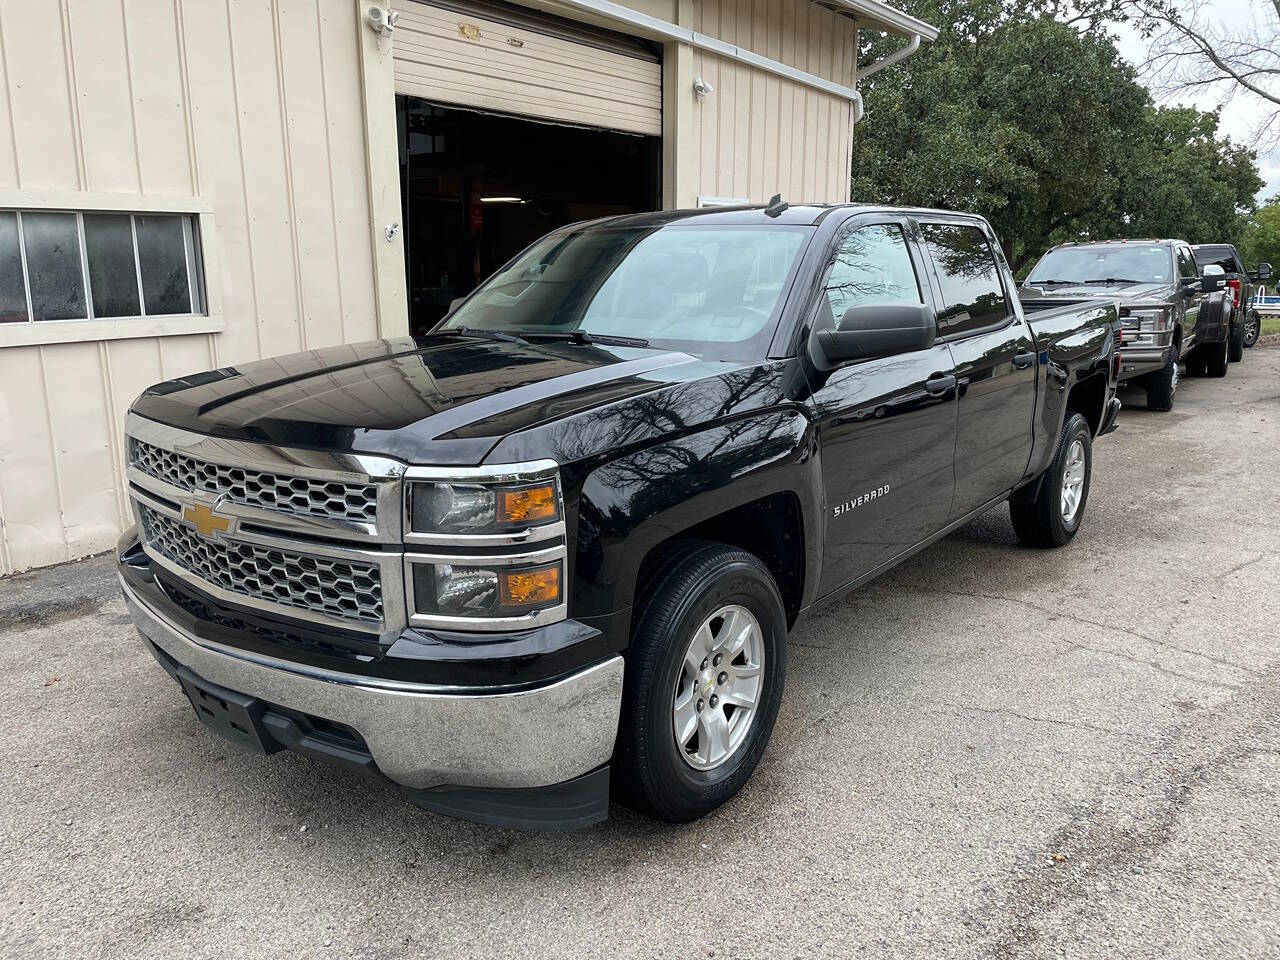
x: 973, y: 296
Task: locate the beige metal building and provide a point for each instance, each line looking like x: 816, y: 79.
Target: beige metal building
x: 187, y: 184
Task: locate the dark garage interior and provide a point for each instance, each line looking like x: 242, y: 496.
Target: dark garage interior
x: 479, y: 187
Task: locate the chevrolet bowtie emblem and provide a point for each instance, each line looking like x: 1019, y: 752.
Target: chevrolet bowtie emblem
x: 205, y: 520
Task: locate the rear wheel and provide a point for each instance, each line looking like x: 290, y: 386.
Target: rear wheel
x: 1215, y: 356
x: 1252, y: 328
x: 1049, y: 513
x: 704, y: 682
x: 1162, y: 384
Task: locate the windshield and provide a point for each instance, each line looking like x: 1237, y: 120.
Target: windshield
x: 1101, y: 264
x: 710, y: 290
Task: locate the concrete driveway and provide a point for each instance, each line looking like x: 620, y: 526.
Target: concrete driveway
x: 989, y: 752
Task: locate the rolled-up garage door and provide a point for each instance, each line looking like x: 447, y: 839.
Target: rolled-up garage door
x: 494, y: 57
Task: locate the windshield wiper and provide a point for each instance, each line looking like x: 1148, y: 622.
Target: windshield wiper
x: 1114, y: 280
x: 485, y: 334
x: 1050, y: 283
x: 582, y: 336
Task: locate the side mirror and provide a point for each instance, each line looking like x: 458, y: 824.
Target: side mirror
x: 877, y: 330
x: 1212, y: 279
x: 1263, y: 272
x: 454, y: 304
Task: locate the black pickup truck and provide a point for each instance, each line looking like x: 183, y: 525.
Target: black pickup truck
x: 1168, y: 311
x: 1243, y: 285
x: 556, y: 546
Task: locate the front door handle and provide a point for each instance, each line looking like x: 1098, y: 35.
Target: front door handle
x: 1024, y: 360
x: 940, y: 383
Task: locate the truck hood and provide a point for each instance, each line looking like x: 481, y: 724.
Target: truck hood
x: 437, y: 400
x: 1126, y: 292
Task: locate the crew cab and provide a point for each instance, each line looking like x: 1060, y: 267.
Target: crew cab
x: 555, y: 547
x: 1244, y: 285
x: 1168, y: 312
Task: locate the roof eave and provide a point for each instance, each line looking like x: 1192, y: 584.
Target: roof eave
x: 876, y: 15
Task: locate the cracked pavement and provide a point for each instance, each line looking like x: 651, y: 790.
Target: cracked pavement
x: 988, y: 752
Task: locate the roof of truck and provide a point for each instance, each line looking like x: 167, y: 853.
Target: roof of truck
x: 807, y: 214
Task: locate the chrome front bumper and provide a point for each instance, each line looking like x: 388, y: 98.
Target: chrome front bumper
x: 423, y: 736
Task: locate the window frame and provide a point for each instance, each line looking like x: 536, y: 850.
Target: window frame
x: 202, y: 252
x: 946, y: 331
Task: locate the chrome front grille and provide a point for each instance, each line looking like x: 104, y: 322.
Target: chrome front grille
x: 332, y: 499
x: 340, y: 589
x: 305, y: 535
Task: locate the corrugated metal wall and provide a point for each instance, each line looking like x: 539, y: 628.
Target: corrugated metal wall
x: 253, y: 105
x: 759, y: 134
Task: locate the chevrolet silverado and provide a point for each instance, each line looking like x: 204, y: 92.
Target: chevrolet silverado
x: 554, y: 548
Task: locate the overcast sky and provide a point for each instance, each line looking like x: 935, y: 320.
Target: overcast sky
x: 1240, y: 115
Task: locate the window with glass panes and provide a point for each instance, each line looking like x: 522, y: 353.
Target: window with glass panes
x: 86, y: 265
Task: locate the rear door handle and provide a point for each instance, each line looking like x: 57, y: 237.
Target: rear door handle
x: 940, y: 383
x: 1024, y: 360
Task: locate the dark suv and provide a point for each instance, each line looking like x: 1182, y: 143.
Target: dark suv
x: 1246, y: 324
x: 1169, y: 313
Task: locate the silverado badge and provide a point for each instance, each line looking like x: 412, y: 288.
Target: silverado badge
x: 205, y: 519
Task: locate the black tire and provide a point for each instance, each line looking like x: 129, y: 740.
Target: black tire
x: 1036, y: 511
x: 1235, y: 352
x: 696, y: 580
x: 1196, y: 363
x: 1163, y: 383
x: 1252, y: 328
x: 1215, y: 357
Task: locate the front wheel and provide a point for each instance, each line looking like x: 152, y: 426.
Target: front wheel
x: 1049, y: 513
x: 704, y: 682
x: 1236, y: 341
x: 1252, y: 328
x: 1163, y: 383
x: 1215, y: 356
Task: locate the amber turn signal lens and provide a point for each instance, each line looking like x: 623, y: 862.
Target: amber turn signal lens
x: 530, y: 588
x: 530, y: 505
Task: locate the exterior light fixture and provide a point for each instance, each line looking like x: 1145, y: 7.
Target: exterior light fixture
x: 383, y: 22
x: 503, y: 200
x: 701, y: 87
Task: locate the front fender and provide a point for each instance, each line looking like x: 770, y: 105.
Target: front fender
x: 629, y: 505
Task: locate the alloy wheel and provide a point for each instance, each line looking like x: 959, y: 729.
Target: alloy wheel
x: 718, y: 689
x: 1073, y: 481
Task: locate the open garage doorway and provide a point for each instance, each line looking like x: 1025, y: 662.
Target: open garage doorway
x: 477, y: 188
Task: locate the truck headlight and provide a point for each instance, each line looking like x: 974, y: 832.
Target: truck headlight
x: 448, y: 507
x: 1150, y: 320
x: 470, y: 590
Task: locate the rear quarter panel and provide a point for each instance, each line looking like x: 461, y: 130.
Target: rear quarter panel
x: 1074, y: 343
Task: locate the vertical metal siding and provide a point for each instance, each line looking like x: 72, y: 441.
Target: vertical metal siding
x: 759, y: 134
x: 255, y: 106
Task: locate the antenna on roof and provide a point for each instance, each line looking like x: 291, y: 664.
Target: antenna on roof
x: 776, y: 206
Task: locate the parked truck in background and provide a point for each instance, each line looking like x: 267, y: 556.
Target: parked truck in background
x: 557, y: 544
x: 1244, y: 285
x: 1168, y: 312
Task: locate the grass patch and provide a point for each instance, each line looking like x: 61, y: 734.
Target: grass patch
x: 1270, y: 325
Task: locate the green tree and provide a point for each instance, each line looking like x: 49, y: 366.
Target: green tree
x: 1038, y: 124
x: 1261, y: 240
x: 1184, y: 181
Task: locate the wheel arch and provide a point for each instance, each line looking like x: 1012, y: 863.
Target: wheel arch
x: 739, y: 483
